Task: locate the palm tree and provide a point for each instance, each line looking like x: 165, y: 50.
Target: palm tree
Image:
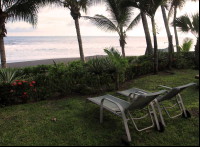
x: 170, y: 40
x: 187, y: 45
x: 75, y: 6
x: 137, y: 4
x: 149, y: 49
x: 149, y: 7
x: 175, y: 4
x: 188, y: 24
x: 120, y: 18
x: 16, y: 10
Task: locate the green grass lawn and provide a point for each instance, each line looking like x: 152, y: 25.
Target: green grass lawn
x: 31, y: 124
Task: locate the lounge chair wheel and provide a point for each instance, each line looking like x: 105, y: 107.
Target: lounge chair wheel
x: 188, y: 114
x: 162, y: 127
x: 125, y: 140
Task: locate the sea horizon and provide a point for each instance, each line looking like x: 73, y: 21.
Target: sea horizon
x: 33, y: 48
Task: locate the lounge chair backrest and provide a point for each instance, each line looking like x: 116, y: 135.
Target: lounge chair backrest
x: 144, y: 100
x: 172, y: 93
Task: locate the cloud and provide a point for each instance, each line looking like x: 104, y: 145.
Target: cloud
x: 54, y: 21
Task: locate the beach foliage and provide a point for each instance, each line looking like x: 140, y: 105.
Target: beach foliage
x: 8, y: 75
x: 190, y: 23
x: 93, y: 77
x: 18, y: 92
x: 187, y: 45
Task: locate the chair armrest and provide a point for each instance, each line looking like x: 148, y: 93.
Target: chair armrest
x: 163, y: 87
x: 118, y: 105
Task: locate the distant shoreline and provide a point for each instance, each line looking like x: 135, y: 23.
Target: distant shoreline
x: 47, y: 61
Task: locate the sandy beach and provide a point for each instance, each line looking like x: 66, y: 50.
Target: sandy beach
x: 48, y: 61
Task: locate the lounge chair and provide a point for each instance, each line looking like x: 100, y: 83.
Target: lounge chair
x: 173, y: 92
x: 121, y: 108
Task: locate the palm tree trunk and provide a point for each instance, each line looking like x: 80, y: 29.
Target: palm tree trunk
x: 122, y: 42
x: 2, y: 47
x: 147, y: 34
x: 171, y: 47
x: 170, y: 38
x: 175, y: 31
x: 197, y: 53
x: 123, y: 50
x: 79, y: 39
x: 155, y: 46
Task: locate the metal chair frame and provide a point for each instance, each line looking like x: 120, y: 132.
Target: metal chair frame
x: 122, y: 114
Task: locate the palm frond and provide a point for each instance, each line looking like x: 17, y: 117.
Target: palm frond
x: 134, y: 22
x: 195, y: 23
x: 187, y: 45
x: 8, y: 75
x: 120, y: 15
x: 25, y: 10
x: 183, y: 23
x: 188, y: 24
x: 102, y: 23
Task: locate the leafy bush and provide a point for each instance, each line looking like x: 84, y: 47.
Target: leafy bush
x: 19, y: 92
x: 8, y: 75
x: 96, y: 76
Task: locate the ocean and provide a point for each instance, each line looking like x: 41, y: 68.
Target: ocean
x: 20, y: 49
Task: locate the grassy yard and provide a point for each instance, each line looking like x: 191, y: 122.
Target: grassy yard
x: 32, y: 124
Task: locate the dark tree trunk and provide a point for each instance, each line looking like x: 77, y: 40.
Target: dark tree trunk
x: 197, y: 53
x: 175, y: 31
x: 147, y: 34
x: 2, y: 35
x: 122, y: 42
x: 170, y: 39
x: 79, y: 39
x: 155, y: 46
x: 123, y: 50
x: 170, y: 52
x: 75, y: 13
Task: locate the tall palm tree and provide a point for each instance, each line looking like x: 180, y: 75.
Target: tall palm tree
x: 120, y: 18
x: 16, y: 10
x: 188, y: 24
x: 138, y: 4
x: 169, y: 35
x: 149, y: 50
x: 149, y: 7
x: 175, y: 4
x: 75, y: 6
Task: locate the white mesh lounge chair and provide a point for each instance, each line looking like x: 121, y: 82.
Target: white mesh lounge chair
x: 121, y: 108
x: 170, y: 95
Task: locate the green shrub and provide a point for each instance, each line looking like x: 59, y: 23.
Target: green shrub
x: 8, y: 75
x: 96, y: 76
x: 19, y: 92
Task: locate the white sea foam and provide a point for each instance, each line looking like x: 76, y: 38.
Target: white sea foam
x: 19, y: 49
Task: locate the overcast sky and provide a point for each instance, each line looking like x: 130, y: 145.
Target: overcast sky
x: 58, y: 22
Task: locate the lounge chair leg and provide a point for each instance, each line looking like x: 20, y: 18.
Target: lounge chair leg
x: 128, y: 137
x: 155, y: 116
x: 85, y: 103
x: 183, y: 107
x: 160, y: 113
x: 101, y: 114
